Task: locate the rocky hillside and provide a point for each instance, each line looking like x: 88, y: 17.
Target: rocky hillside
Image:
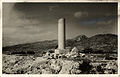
x: 43, y: 58
x: 40, y: 65
x: 98, y: 43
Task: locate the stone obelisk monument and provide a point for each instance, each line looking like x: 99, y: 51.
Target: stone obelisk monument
x: 61, y: 34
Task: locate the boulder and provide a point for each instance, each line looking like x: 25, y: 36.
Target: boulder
x: 70, y: 67
x: 74, y: 52
x: 46, y: 71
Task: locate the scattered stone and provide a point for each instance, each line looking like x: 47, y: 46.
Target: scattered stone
x: 52, y: 63
x: 46, y: 71
x: 82, y: 55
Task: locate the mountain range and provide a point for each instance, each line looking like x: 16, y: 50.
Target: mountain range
x: 100, y: 43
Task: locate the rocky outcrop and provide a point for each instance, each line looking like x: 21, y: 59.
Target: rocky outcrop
x: 70, y: 67
x: 72, y: 62
x: 80, y: 38
x: 39, y: 65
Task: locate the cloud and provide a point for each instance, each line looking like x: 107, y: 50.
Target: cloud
x: 80, y: 14
x: 30, y: 22
x: 53, y: 8
x: 108, y: 22
x: 18, y: 26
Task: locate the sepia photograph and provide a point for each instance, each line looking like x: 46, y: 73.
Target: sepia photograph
x: 60, y: 38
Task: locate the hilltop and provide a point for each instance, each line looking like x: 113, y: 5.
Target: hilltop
x: 96, y: 44
x: 83, y: 55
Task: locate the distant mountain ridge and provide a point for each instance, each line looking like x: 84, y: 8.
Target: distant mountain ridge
x: 99, y: 42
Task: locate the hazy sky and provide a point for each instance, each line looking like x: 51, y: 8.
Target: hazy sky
x: 33, y: 22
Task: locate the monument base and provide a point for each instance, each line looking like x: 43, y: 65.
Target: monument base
x: 61, y: 51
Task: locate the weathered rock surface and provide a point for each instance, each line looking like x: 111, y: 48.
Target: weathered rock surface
x: 38, y: 65
x: 72, y: 62
x: 70, y: 67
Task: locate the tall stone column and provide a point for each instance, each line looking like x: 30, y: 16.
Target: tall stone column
x: 61, y: 34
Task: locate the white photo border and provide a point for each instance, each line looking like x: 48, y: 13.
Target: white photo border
x: 59, y: 75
